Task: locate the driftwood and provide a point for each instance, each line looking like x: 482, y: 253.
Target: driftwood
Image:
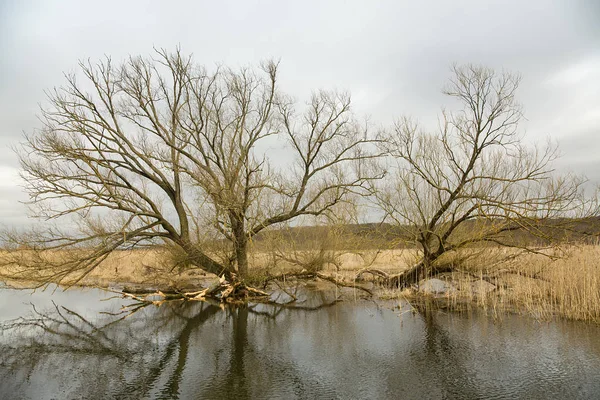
x: 341, y: 282
x: 385, y: 278
x: 224, y: 291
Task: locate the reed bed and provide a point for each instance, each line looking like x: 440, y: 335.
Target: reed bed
x: 566, y: 287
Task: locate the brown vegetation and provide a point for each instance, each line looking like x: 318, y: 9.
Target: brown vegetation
x: 534, y: 284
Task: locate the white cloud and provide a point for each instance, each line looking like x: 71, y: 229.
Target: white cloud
x: 9, y: 177
x: 578, y: 73
x: 568, y: 104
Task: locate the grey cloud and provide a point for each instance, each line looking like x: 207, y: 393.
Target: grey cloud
x: 393, y: 56
x: 12, y: 212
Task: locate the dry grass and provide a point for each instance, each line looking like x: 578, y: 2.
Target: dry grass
x: 568, y: 287
x: 144, y: 267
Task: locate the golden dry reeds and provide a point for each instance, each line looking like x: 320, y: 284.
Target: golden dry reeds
x: 566, y: 287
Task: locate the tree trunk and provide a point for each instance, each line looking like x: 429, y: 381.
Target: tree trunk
x: 203, y: 261
x: 409, y: 277
x: 240, y: 245
x: 423, y: 269
x: 241, y: 255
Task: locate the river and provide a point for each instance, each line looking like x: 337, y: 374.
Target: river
x: 69, y: 345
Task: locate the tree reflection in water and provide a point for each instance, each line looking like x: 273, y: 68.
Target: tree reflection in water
x: 138, y: 355
x: 115, y: 355
x: 307, y: 349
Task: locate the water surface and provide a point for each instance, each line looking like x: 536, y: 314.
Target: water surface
x: 66, y: 346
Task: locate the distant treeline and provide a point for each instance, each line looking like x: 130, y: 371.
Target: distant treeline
x: 384, y: 235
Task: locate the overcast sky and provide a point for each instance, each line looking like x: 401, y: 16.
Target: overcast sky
x: 392, y: 56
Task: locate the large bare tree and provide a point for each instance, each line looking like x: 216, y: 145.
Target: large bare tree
x: 161, y: 150
x: 475, y: 181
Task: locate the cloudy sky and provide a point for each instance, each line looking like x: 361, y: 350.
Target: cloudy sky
x: 393, y: 56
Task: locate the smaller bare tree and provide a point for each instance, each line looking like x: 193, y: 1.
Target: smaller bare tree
x: 474, y: 181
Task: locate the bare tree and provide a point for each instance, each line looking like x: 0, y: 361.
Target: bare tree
x: 474, y: 181
x: 160, y: 150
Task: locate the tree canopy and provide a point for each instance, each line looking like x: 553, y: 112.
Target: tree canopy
x: 162, y: 150
x: 475, y: 180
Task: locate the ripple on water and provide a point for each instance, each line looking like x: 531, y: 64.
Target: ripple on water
x: 350, y: 350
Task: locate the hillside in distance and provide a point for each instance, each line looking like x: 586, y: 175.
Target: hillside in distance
x: 388, y: 236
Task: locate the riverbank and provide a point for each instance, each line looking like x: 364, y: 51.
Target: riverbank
x: 495, y: 280
x: 567, y: 287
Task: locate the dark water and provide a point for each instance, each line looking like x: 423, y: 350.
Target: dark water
x: 348, y: 350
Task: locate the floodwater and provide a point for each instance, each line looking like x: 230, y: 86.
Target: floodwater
x: 68, y: 345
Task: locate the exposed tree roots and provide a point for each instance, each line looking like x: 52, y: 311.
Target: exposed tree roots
x: 238, y: 292
x: 406, y: 278
x: 418, y: 272
x: 228, y: 292
x: 338, y: 281
x: 222, y: 291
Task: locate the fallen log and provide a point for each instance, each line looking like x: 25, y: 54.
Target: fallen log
x: 373, y: 271
x: 341, y: 282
